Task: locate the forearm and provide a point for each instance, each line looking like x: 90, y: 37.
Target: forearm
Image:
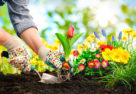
x: 32, y: 38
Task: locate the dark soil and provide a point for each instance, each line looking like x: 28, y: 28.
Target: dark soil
x: 27, y: 83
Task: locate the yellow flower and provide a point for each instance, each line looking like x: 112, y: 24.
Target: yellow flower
x: 80, y: 46
x: 92, y: 36
x: 1, y: 69
x: 71, y: 53
x: 104, y: 42
x: 106, y: 54
x: 33, y: 62
x: 40, y: 62
x: 57, y: 42
x: 116, y: 57
x: 85, y: 46
x: 89, y: 40
x: 40, y: 69
x: 44, y: 42
x: 134, y: 35
x: 125, y: 59
x: 124, y: 38
x: 44, y: 65
x: 128, y: 31
x: 53, y: 47
x: 98, y: 43
x: 29, y: 48
x: 35, y: 56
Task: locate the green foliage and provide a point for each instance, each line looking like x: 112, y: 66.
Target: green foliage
x: 129, y: 14
x: 116, y: 44
x: 67, y: 42
x: 6, y: 68
x: 120, y: 73
x: 124, y: 8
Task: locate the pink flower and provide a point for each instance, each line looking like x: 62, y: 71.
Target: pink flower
x: 75, y: 52
x: 97, y: 64
x: 104, y: 64
x: 81, y: 67
x: 91, y: 64
x: 98, y: 55
x: 70, y: 32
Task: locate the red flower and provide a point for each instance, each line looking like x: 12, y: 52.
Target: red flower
x: 97, y: 64
x: 103, y: 47
x: 81, y: 67
x: 91, y: 64
x: 75, y: 52
x: 70, y: 32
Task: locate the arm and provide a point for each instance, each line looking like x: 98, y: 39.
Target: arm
x: 19, y: 15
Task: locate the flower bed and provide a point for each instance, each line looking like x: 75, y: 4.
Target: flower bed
x: 113, y: 61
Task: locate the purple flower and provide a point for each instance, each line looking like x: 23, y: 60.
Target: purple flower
x: 96, y: 35
x: 120, y: 35
x: 103, y: 32
x: 113, y: 38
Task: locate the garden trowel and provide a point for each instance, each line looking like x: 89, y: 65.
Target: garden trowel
x: 63, y: 74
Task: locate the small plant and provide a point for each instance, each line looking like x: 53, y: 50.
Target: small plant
x: 68, y: 40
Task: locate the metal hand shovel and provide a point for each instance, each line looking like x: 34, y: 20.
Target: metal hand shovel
x: 50, y: 79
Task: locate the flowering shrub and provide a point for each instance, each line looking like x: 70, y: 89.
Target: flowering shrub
x: 90, y: 62
x: 113, y: 60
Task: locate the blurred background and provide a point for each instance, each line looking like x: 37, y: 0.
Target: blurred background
x: 86, y: 16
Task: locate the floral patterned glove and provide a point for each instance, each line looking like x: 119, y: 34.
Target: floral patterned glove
x: 19, y: 58
x: 53, y: 59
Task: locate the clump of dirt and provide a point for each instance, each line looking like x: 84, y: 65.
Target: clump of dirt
x: 27, y: 83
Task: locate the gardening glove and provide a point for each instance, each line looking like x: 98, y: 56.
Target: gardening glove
x: 19, y: 58
x: 5, y: 54
x: 53, y: 59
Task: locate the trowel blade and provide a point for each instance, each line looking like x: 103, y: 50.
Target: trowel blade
x: 49, y: 79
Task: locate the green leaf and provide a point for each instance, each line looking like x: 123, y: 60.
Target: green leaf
x: 65, y: 44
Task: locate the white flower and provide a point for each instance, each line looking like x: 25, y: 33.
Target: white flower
x: 83, y: 61
x: 93, y: 49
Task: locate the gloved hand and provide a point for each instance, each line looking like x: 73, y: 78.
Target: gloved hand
x: 5, y: 54
x: 20, y: 59
x: 53, y: 59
